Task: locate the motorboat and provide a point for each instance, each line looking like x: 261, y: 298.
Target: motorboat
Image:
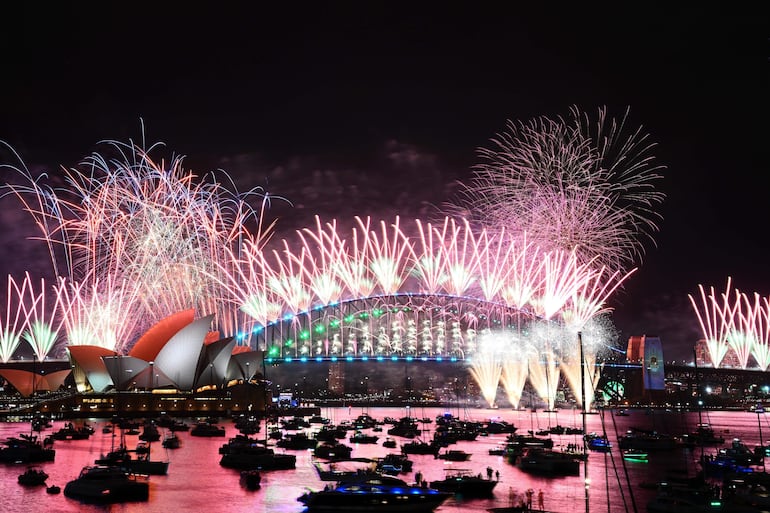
x: 465, y: 483
x: 389, y: 443
x: 141, y: 464
x: 206, y: 429
x: 635, y: 455
x: 33, y: 476
x: 254, y: 456
x: 71, y: 432
x: 420, y: 448
x: 454, y: 455
x: 297, y: 441
x: 344, y: 469
x: 107, y: 484
x: 171, y: 441
x: 332, y: 451
x: 150, y: 433
x: 599, y: 443
x: 363, y: 438
x: 393, y: 464
x: 25, y: 449
x: 538, y: 460
x: 378, y: 494
x: 646, y: 441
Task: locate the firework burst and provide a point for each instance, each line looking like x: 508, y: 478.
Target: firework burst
x: 571, y: 184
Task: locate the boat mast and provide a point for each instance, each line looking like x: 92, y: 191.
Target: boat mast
x: 587, y: 481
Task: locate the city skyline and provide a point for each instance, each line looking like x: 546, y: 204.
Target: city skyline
x: 376, y: 113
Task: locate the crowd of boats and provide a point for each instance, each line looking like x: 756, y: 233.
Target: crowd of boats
x: 731, y: 476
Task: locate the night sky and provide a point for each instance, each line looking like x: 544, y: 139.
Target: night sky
x: 378, y: 111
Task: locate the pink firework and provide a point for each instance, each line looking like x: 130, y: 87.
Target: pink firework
x: 14, y: 323
x: 571, y: 184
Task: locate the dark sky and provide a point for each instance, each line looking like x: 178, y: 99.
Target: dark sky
x: 373, y: 109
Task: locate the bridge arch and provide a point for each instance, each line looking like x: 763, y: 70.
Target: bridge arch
x: 405, y: 324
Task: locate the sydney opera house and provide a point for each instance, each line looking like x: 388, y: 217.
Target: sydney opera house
x: 177, y: 365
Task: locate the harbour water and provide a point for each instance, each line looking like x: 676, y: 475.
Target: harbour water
x: 196, y: 482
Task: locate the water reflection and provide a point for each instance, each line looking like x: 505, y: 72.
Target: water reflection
x: 196, y: 481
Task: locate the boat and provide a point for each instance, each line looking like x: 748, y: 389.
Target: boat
x: 328, y: 433
x: 635, y: 455
x: 142, y: 464
x: 332, y: 451
x: 599, y: 443
x: 675, y: 498
x: 342, y: 469
x: 171, y: 441
x: 538, y: 460
x: 454, y: 455
x: 363, y: 438
x: 721, y: 465
x: 378, y: 494
x: 389, y: 443
x: 107, y: 484
x: 406, y: 428
x: 150, y: 433
x: 530, y: 440
x: 621, y: 413
x: 33, y: 476
x: 297, y: 441
x: 394, y: 464
x: 25, y: 449
x: 53, y: 490
x: 250, y: 479
x: 465, y: 483
x: 498, y: 450
x: 420, y: 448
x: 70, y: 432
x: 178, y: 426
x: 646, y: 440
x: 242, y: 455
x: 206, y: 429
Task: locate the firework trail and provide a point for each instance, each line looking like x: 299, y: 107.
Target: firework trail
x: 15, y: 321
x: 42, y: 331
x: 715, y: 319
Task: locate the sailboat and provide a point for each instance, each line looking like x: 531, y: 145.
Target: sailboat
x: 132, y: 461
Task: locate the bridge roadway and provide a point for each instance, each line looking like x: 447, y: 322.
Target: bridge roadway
x: 684, y: 383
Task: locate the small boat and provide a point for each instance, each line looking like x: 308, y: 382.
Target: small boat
x: 107, y: 484
x: 420, y: 448
x: 142, y: 464
x: 537, y: 460
x: 297, y: 441
x: 389, y: 443
x: 332, y: 451
x: 207, y: 429
x: 598, y: 442
x: 378, y: 494
x: 498, y: 450
x: 250, y: 479
x: 362, y: 438
x: 465, y: 483
x: 53, y: 490
x: 454, y: 455
x: 635, y: 455
x: 171, y: 441
x: 394, y: 464
x: 150, y: 433
x: 621, y: 413
x: 25, y: 449
x: 33, y: 476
